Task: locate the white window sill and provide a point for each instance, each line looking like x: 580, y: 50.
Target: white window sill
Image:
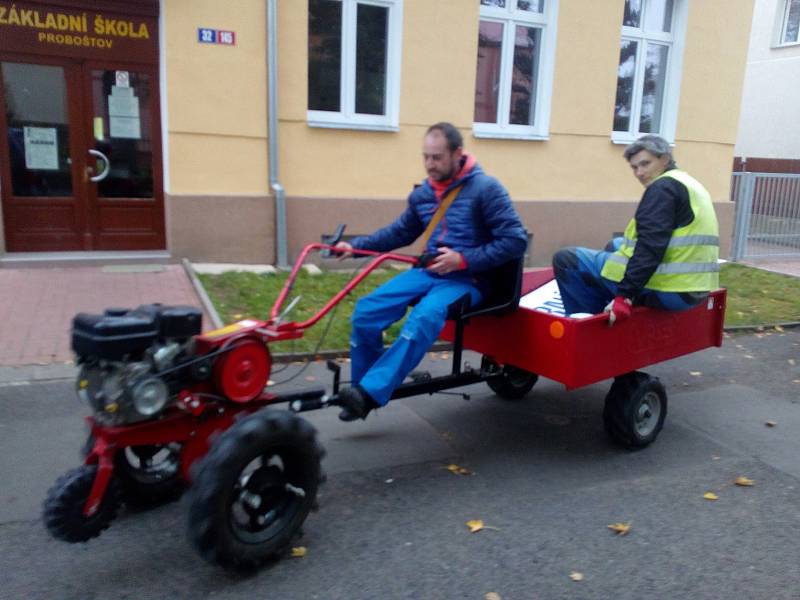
x: 786, y: 45
x: 357, y: 126
x: 626, y: 139
x: 509, y: 135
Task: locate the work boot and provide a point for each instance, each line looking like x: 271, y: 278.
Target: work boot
x: 355, y: 404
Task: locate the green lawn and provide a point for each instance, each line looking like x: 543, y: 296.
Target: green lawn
x: 755, y: 297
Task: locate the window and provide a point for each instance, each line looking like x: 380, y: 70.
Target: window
x: 516, y: 43
x: 648, y: 73
x: 354, y: 63
x: 791, y: 23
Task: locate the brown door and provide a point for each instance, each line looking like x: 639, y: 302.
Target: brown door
x: 81, y: 164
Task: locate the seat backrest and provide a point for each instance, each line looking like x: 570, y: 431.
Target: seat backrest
x: 504, y: 288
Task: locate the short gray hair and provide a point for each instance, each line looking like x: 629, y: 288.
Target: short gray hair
x: 654, y: 144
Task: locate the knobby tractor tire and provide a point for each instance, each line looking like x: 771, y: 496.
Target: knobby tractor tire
x: 253, y: 490
x: 63, y: 507
x: 513, y: 383
x: 149, y: 475
x: 635, y: 409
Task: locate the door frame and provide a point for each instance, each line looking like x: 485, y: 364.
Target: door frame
x: 95, y: 204
x: 78, y: 200
x: 84, y: 200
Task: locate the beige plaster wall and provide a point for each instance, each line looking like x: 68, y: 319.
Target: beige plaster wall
x: 216, y: 98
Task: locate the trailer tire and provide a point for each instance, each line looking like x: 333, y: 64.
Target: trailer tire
x: 635, y: 409
x: 513, y: 383
x: 241, y: 518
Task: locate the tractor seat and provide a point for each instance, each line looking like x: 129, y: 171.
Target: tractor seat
x: 504, y: 285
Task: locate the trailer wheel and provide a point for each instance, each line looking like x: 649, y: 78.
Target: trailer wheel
x: 253, y: 490
x: 635, y: 409
x: 513, y: 383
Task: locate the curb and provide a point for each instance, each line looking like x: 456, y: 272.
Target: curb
x: 208, y: 306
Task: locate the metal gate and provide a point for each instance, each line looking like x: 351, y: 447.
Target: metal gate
x: 767, y: 215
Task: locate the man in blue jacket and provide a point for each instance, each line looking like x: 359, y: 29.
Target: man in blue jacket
x: 480, y: 230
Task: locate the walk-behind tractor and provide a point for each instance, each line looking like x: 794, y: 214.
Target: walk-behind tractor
x: 174, y: 408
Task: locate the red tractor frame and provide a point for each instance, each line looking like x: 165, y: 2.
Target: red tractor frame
x: 253, y: 471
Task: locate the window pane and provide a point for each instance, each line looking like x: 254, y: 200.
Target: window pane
x: 38, y: 132
x: 527, y: 47
x: 497, y: 3
x: 490, y: 42
x: 625, y: 75
x: 633, y: 13
x: 655, y: 74
x: 792, y: 23
x: 324, y: 54
x: 658, y: 16
x: 536, y: 6
x: 372, y: 31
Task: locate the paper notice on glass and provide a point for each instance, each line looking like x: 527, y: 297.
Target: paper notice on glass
x: 125, y: 127
x: 41, y: 148
x: 123, y: 113
x: 122, y: 102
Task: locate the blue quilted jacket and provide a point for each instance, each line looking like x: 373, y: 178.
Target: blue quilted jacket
x: 481, y: 223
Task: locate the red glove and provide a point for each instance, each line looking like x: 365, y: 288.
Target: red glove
x: 619, y: 310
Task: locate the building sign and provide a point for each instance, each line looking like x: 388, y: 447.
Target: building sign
x: 63, y: 31
x: 216, y: 36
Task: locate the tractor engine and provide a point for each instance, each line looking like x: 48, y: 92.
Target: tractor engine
x: 131, y: 360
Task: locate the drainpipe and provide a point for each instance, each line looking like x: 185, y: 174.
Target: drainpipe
x: 272, y: 133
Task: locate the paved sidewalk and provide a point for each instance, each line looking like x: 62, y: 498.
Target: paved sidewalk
x: 37, y: 304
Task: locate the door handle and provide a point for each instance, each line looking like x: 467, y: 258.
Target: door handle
x: 104, y: 173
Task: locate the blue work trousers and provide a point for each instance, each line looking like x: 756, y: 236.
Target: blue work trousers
x: 584, y: 290
x: 379, y: 372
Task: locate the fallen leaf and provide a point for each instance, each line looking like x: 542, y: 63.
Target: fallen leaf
x: 492, y: 596
x: 710, y: 496
x: 778, y: 328
x: 475, y: 525
x: 390, y: 480
x: 695, y: 373
x: 236, y: 317
x: 310, y: 378
x: 620, y: 528
x: 795, y: 380
x: 792, y: 362
x: 575, y: 576
x: 743, y: 481
x: 770, y: 423
x: 714, y: 457
x: 748, y: 356
x: 456, y: 470
x: 298, y: 552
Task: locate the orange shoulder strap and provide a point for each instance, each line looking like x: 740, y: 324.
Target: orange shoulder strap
x: 437, y: 216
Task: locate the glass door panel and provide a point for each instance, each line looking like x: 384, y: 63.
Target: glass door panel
x: 37, y: 130
x: 122, y: 129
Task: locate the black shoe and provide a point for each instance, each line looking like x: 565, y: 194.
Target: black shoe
x: 355, y: 404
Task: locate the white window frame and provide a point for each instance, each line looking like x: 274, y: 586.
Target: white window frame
x: 510, y: 17
x: 347, y: 118
x: 784, y: 22
x: 676, y: 41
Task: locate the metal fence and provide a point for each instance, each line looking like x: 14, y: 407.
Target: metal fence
x: 767, y: 215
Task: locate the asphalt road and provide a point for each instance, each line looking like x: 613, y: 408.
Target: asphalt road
x: 392, y: 518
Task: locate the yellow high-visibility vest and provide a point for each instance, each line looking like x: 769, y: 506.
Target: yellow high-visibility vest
x: 690, y: 263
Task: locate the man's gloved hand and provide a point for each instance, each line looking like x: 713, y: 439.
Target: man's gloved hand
x: 619, y: 310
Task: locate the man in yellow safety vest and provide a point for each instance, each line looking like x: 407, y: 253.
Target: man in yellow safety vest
x: 668, y: 255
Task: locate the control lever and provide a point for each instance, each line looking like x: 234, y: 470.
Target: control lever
x: 332, y: 240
